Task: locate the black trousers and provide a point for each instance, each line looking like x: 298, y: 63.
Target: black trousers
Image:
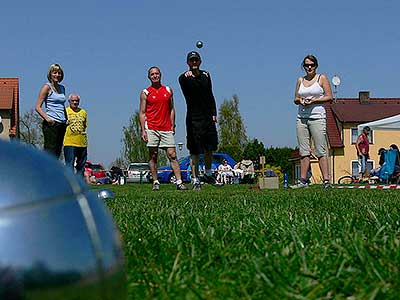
x: 201, y: 135
x: 53, y: 135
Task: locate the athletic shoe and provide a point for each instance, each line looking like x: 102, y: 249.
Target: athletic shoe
x: 156, y: 186
x: 181, y: 187
x: 327, y: 185
x: 196, y: 186
x: 299, y: 185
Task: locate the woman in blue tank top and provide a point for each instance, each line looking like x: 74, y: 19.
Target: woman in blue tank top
x: 52, y: 94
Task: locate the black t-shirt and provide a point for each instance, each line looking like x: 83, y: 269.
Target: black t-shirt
x: 199, y: 97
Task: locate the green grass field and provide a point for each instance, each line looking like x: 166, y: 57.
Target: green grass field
x: 235, y: 243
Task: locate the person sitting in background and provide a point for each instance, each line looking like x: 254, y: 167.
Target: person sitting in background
x: 116, y: 174
x: 88, y: 177
x: 375, y: 172
x: 238, y: 172
x: 225, y: 172
x: 397, y: 164
x: 248, y: 170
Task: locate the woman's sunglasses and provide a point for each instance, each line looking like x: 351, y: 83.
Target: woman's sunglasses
x: 309, y: 65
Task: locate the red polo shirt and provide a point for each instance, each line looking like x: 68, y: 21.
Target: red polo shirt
x: 158, y: 108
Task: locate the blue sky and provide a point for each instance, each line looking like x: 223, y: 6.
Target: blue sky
x: 251, y: 48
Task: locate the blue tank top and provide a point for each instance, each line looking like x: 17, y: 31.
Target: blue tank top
x: 55, y: 104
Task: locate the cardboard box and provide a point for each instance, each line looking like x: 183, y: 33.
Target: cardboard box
x: 268, y: 182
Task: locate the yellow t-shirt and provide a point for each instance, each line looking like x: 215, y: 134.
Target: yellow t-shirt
x: 76, y: 128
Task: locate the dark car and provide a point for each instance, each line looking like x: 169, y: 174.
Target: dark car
x: 165, y: 173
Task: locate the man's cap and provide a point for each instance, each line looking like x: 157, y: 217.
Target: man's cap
x: 193, y: 54
x: 367, y: 128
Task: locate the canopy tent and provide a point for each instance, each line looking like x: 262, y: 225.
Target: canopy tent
x: 391, y: 123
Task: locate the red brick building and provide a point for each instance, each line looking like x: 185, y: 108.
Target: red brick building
x: 9, y: 108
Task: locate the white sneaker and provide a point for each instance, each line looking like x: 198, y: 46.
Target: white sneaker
x: 327, y: 184
x: 156, y: 186
x: 299, y: 185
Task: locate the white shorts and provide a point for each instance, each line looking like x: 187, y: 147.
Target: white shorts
x: 160, y: 139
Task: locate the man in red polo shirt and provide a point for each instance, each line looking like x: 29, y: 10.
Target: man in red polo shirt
x: 157, y: 121
x: 362, y: 146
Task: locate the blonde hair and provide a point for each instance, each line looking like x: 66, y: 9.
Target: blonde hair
x: 55, y: 67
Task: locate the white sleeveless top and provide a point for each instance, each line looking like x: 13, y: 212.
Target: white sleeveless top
x: 316, y: 110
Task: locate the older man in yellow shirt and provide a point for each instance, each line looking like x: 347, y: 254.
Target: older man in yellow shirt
x: 75, y: 140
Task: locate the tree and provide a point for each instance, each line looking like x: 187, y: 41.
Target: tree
x: 133, y: 148
x: 118, y: 162
x: 280, y: 157
x: 253, y: 150
x: 276, y: 159
x: 231, y: 130
x: 31, y: 129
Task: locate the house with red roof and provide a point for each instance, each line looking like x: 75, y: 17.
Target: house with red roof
x: 343, y: 117
x: 9, y: 108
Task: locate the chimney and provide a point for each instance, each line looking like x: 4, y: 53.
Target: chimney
x: 363, y: 97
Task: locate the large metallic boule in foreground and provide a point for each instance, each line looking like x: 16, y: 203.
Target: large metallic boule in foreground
x: 57, y: 239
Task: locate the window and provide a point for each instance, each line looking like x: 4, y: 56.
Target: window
x: 355, y: 167
x: 354, y: 136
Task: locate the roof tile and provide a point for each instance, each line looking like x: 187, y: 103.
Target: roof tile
x: 6, y: 97
x: 350, y: 109
x: 334, y: 136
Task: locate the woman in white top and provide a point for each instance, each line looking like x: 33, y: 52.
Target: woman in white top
x: 312, y: 91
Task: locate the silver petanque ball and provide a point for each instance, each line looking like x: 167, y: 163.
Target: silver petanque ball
x: 199, y: 44
x: 105, y: 194
x: 57, y: 239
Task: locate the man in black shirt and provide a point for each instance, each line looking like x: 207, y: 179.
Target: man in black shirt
x: 201, y: 117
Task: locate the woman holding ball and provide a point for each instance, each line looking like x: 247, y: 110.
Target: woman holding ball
x: 312, y: 91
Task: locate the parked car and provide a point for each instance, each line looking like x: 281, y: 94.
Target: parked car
x: 165, y: 173
x: 98, y: 171
x: 138, y: 172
